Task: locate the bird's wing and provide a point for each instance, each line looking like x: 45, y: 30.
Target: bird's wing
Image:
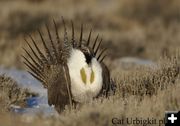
x: 106, y: 80
x: 109, y: 86
x: 58, y: 93
x: 51, y: 67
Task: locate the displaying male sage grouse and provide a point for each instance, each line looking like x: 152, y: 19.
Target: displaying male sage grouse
x: 72, y: 70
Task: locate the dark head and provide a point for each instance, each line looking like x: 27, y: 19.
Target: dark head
x: 88, y: 52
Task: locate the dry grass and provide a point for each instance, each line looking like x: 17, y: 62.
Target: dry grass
x: 147, y: 82
x: 12, y: 94
x: 148, y: 93
x: 146, y: 29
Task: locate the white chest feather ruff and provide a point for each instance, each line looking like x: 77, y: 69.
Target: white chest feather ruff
x: 81, y: 91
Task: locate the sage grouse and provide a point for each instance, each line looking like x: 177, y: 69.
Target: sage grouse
x: 72, y: 70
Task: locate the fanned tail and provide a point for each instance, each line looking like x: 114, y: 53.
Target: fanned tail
x: 40, y: 60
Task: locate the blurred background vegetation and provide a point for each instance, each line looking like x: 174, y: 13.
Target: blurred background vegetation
x: 146, y: 29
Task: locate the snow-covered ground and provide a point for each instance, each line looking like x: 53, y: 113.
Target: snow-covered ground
x: 36, y: 104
